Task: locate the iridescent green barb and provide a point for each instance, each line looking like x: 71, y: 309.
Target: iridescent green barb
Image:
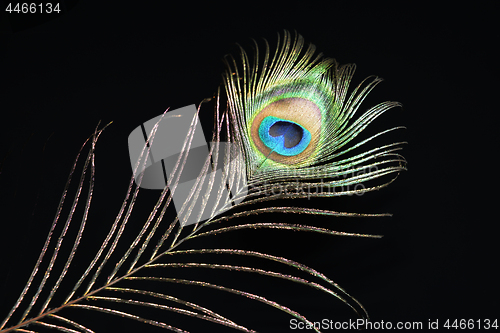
x: 291, y: 117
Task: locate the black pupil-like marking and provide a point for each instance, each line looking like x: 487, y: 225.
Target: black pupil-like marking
x: 292, y: 132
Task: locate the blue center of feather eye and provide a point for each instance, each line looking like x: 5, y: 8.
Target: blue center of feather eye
x: 284, y: 137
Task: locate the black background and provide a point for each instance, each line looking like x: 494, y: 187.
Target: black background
x: 127, y: 63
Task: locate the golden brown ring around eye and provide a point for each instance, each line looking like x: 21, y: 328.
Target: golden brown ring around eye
x: 297, y: 110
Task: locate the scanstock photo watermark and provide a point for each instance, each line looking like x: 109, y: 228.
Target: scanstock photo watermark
x: 156, y: 145
x: 348, y: 182
x: 361, y: 324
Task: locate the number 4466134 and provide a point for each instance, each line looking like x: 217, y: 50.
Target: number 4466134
x: 33, y: 8
x: 471, y: 324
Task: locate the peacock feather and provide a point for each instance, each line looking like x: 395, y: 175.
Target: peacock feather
x: 286, y: 127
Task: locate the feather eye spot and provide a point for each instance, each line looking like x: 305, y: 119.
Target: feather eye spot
x: 284, y: 137
x: 287, y: 130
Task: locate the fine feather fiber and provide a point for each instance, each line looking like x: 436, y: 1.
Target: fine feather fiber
x: 287, y: 125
